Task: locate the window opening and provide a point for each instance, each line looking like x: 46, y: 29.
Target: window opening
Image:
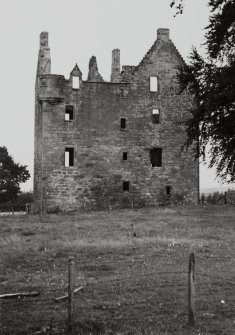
x: 123, y: 123
x: 75, y: 82
x: 156, y: 157
x: 168, y: 190
x: 69, y: 157
x: 155, y: 116
x: 68, y: 113
x: 125, y: 185
x: 43, y: 82
x: 124, y: 156
x: 153, y: 84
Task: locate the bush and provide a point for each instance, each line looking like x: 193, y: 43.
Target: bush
x: 19, y: 205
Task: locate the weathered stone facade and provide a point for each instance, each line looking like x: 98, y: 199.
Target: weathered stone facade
x: 112, y: 144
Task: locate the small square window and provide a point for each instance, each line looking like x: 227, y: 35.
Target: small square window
x: 155, y: 115
x: 68, y: 113
x: 125, y: 186
x: 75, y: 82
x: 124, y: 156
x: 69, y: 157
x: 156, y: 157
x: 153, y: 84
x: 123, y: 123
x: 43, y: 81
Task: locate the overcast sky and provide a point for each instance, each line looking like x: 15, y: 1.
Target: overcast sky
x: 77, y: 30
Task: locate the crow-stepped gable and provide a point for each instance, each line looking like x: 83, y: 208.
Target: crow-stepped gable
x: 113, y: 144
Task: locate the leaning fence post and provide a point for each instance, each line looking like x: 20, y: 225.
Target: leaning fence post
x: 191, y: 290
x: 70, y: 293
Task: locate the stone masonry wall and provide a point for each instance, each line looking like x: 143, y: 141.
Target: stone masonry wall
x: 96, y: 179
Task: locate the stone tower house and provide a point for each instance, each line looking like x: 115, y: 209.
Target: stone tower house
x: 112, y: 144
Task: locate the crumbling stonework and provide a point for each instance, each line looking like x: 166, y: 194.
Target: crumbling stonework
x: 112, y: 144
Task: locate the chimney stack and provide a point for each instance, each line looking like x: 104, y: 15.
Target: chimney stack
x: 44, y: 57
x: 115, y: 72
x: 163, y: 34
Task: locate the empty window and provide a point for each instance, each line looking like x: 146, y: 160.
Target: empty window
x: 75, y: 82
x: 125, y: 185
x: 155, y: 116
x: 68, y: 113
x: 124, y: 156
x: 153, y: 84
x: 123, y: 123
x: 43, y: 82
x: 156, y: 157
x: 168, y: 190
x: 69, y: 157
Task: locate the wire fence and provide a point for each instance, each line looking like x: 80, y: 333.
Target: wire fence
x: 110, y: 296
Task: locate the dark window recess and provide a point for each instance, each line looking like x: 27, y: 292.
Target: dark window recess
x: 156, y: 157
x: 168, y: 190
x: 124, y: 156
x: 125, y: 185
x: 69, y: 156
x: 155, y: 116
x: 68, y: 113
x: 123, y: 123
x: 43, y: 82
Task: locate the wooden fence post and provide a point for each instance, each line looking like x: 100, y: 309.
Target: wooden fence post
x: 70, y: 293
x: 225, y: 198
x: 191, y: 290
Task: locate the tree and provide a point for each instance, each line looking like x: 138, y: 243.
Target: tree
x: 211, y: 79
x: 11, y: 175
x: 178, y: 5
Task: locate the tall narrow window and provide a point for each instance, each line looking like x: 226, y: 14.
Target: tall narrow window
x: 155, y: 115
x: 123, y: 123
x: 124, y: 156
x: 125, y: 186
x: 168, y: 190
x: 153, y: 84
x: 68, y: 113
x: 69, y: 157
x: 156, y: 157
x: 75, y: 82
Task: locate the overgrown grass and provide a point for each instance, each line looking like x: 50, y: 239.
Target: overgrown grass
x: 133, y: 265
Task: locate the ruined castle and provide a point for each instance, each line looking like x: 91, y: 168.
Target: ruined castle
x: 114, y: 144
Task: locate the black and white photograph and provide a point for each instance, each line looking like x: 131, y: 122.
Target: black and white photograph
x: 117, y: 167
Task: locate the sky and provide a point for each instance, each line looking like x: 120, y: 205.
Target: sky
x: 77, y: 30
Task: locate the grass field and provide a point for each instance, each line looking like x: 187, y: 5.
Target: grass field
x: 133, y: 266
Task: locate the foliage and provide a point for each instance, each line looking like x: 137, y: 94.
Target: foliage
x: 11, y: 175
x: 19, y: 205
x: 211, y: 198
x: 211, y: 79
x: 178, y: 5
x: 25, y: 198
